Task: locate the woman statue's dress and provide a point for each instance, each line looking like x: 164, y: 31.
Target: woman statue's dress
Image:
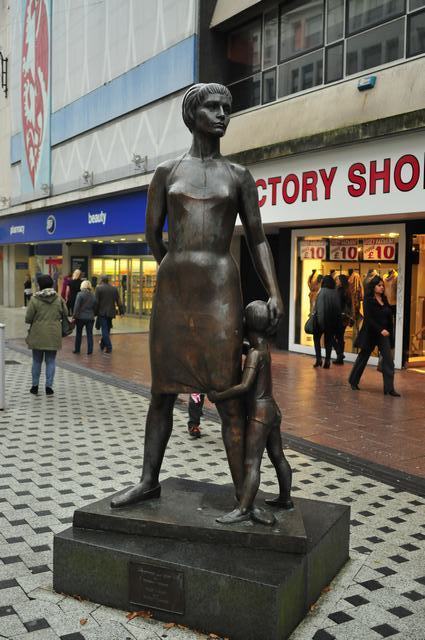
x: 196, y: 327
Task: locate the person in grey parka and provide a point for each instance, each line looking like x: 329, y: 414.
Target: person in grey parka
x: 83, y: 314
x: 44, y: 315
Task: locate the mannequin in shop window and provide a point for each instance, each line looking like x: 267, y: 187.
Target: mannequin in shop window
x: 314, y: 280
x: 357, y: 293
x: 390, y: 284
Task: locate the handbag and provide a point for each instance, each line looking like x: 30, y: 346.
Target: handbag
x: 310, y: 325
x: 67, y: 326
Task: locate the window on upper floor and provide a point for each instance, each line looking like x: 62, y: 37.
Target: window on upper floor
x: 296, y: 46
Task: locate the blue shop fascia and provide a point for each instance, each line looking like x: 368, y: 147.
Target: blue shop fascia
x: 105, y: 236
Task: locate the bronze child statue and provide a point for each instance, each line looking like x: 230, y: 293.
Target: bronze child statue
x: 263, y: 421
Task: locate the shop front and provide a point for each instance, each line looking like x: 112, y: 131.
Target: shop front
x: 98, y: 237
x: 353, y: 211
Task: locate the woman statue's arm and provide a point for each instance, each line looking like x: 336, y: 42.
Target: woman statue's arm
x: 259, y: 248
x: 156, y: 212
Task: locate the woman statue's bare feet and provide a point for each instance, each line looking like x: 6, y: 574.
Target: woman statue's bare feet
x: 234, y: 517
x: 136, y: 494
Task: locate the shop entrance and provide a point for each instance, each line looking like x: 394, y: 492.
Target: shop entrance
x: 417, y: 303
x: 135, y: 279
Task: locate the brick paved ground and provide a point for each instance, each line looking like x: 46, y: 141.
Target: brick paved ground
x: 85, y: 442
x: 317, y: 404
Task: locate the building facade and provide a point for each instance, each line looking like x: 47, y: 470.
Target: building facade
x: 329, y: 115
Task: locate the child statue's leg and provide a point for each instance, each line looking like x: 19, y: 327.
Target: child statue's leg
x: 283, y: 469
x: 256, y: 437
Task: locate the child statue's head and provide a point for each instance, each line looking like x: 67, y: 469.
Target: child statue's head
x: 257, y: 316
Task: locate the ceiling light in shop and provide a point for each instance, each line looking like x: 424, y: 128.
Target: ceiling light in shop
x: 340, y: 236
x: 112, y: 241
x: 393, y: 235
x: 382, y: 235
x: 139, y: 240
x: 123, y: 239
x: 84, y: 240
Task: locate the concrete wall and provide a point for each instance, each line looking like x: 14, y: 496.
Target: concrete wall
x: 399, y: 89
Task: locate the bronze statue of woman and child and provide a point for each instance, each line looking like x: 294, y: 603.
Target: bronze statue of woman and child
x: 198, y: 322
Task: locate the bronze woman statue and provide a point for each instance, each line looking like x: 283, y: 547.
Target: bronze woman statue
x: 196, y: 330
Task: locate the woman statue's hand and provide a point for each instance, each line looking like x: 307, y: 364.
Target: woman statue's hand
x: 275, y: 306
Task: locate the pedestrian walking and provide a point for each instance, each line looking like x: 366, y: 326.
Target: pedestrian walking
x: 27, y: 289
x: 195, y: 406
x: 346, y: 307
x: 84, y: 309
x: 377, y: 331
x: 327, y: 320
x: 74, y: 286
x: 107, y: 301
x: 44, y: 315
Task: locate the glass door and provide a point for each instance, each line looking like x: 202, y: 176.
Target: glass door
x: 417, y: 303
x: 148, y: 285
x: 134, y: 288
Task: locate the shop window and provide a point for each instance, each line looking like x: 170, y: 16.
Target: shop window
x: 417, y: 302
x: 270, y: 39
x: 352, y: 261
x: 416, y: 34
x: 300, y: 74
x: 269, y: 86
x: 244, y: 51
x: 416, y: 4
x: 334, y: 62
x: 375, y: 47
x: 335, y: 20
x: 246, y: 93
x: 363, y: 14
x: 301, y: 30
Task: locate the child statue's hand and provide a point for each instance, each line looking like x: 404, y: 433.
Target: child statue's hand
x: 213, y: 396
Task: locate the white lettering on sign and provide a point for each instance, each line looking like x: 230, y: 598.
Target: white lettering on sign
x: 17, y: 229
x: 313, y: 249
x: 346, y: 249
x: 97, y: 218
x: 379, y: 249
x: 376, y: 178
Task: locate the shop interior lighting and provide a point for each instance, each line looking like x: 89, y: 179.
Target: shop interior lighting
x: 139, y: 240
x: 340, y: 236
x: 84, y: 240
x: 393, y: 235
x: 123, y: 239
x: 112, y: 241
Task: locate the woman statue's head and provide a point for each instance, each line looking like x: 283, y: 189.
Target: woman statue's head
x: 218, y: 104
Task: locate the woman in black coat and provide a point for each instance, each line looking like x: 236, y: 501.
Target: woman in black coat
x: 328, y: 320
x: 377, y: 331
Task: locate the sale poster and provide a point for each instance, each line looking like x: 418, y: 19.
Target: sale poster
x: 313, y: 249
x: 344, y: 249
x: 379, y: 249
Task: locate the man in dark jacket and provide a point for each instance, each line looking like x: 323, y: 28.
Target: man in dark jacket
x: 107, y: 300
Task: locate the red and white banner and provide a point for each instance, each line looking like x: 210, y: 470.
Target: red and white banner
x: 378, y: 178
x: 313, y: 249
x: 379, y: 249
x: 346, y: 249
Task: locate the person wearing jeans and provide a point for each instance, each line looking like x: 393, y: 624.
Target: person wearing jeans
x: 37, y: 360
x: 84, y: 309
x: 44, y: 315
x: 107, y: 300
